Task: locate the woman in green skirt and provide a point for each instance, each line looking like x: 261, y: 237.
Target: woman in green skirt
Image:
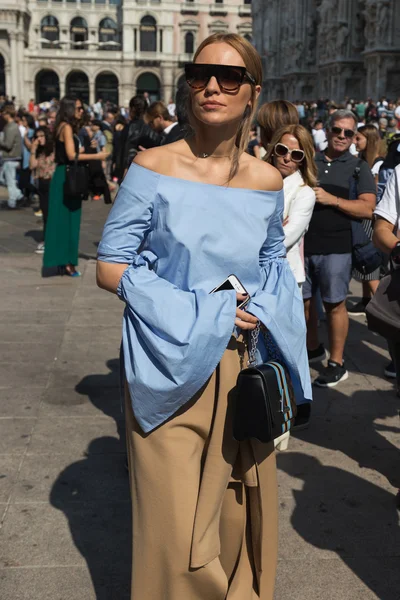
x: 64, y: 219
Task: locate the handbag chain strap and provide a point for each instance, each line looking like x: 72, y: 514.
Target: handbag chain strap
x: 252, y: 344
x: 270, y: 345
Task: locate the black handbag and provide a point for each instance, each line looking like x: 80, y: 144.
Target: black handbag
x: 366, y: 258
x: 264, y: 407
x: 383, y: 310
x: 76, y: 184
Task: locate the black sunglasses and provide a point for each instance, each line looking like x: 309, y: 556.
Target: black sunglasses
x: 296, y: 155
x: 229, y: 78
x: 349, y: 133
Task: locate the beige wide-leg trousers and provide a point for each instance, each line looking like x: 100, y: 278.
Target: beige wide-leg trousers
x: 204, y: 506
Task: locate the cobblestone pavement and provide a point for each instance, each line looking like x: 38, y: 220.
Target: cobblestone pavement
x: 64, y: 499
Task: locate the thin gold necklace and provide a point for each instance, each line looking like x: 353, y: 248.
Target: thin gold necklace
x: 205, y: 155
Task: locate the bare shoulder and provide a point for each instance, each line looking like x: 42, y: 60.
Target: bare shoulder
x: 64, y: 129
x: 265, y: 175
x: 159, y: 159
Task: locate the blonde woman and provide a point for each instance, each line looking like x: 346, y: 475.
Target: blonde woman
x: 291, y: 151
x: 372, y: 149
x: 274, y: 115
x: 204, y: 506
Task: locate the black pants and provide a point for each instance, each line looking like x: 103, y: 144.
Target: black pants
x: 98, y: 183
x: 25, y: 183
x: 43, y: 191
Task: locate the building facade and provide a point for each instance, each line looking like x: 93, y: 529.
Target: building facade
x: 109, y: 49
x: 328, y: 48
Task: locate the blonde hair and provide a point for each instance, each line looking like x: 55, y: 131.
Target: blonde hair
x: 375, y: 145
x: 273, y: 115
x: 252, y: 61
x: 307, y: 167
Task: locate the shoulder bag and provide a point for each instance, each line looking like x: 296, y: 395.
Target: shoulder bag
x: 383, y: 310
x: 264, y: 406
x: 366, y: 258
x: 76, y: 183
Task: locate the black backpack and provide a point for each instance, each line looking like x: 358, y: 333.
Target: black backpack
x: 366, y: 257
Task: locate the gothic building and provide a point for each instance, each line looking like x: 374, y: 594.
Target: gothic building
x: 111, y: 49
x: 328, y: 48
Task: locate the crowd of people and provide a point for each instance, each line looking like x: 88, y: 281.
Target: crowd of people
x: 33, y: 144
x: 363, y: 135
x: 340, y: 167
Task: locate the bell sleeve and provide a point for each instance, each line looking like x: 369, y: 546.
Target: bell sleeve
x: 173, y: 339
x: 279, y: 306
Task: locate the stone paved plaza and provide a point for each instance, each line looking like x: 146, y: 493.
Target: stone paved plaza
x: 64, y: 498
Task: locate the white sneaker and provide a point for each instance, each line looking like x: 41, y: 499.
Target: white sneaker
x: 40, y: 248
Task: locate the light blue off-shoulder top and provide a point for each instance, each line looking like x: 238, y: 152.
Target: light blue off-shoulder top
x: 181, y: 239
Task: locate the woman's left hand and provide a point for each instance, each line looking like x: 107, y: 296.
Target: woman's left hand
x: 244, y: 320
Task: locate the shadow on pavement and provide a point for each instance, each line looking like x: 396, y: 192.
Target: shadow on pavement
x: 94, y: 495
x: 339, y: 512
x: 35, y: 234
x: 350, y: 427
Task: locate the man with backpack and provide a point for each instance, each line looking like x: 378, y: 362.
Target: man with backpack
x: 328, y: 244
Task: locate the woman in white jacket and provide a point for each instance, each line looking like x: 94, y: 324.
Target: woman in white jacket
x: 292, y: 152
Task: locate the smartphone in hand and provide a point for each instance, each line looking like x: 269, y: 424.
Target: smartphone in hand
x: 233, y: 283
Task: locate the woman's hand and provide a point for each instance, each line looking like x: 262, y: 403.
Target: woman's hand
x: 244, y: 320
x: 102, y: 155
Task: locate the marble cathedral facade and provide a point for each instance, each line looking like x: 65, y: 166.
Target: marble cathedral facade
x: 328, y: 48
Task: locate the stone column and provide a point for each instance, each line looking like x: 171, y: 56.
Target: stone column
x: 92, y: 97
x: 64, y: 37
x: 126, y: 85
x: 62, y: 86
x: 21, y: 69
x: 14, y: 91
x: 168, y: 40
x: 167, y: 81
x: 8, y: 78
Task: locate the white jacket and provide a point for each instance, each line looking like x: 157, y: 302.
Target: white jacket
x: 299, y: 206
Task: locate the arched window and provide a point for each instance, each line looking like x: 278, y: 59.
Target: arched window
x: 49, y: 32
x: 148, y: 34
x: 106, y: 87
x: 77, y: 85
x: 47, y: 86
x: 148, y: 82
x: 108, y: 35
x: 78, y: 33
x: 189, y: 43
